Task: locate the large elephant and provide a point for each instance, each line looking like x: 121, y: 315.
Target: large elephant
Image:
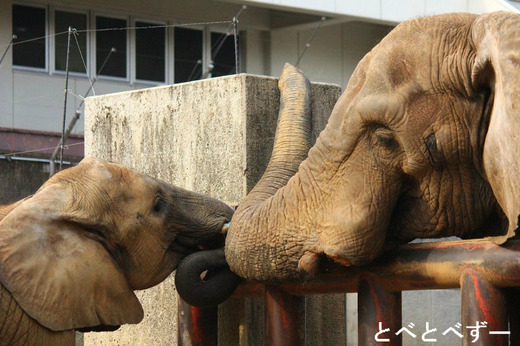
x: 72, y: 254
x: 424, y: 143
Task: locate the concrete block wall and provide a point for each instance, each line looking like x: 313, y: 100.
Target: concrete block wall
x: 215, y: 137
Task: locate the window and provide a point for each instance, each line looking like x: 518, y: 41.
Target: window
x: 111, y: 33
x: 140, y: 55
x: 188, y: 54
x: 222, y: 54
x: 78, y: 21
x: 150, y: 52
x: 29, y: 23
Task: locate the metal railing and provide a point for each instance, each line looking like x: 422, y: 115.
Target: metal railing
x: 486, y: 274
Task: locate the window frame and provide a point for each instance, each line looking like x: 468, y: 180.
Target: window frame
x: 133, y: 50
x: 93, y: 41
x: 46, y: 39
x: 52, y: 42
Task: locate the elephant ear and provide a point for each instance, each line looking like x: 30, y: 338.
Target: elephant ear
x: 57, y: 271
x: 497, y: 65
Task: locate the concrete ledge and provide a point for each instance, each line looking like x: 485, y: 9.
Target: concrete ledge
x: 212, y: 136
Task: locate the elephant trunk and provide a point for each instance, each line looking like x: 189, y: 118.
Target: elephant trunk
x: 292, y: 142
x: 203, y: 278
x: 292, y: 139
x: 291, y: 146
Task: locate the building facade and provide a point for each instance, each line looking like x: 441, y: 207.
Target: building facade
x: 120, y: 45
x: 117, y: 46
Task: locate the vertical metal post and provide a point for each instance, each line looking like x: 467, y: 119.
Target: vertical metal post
x: 196, y: 326
x: 379, y: 314
x: 484, y: 312
x: 284, y: 318
x: 62, y: 142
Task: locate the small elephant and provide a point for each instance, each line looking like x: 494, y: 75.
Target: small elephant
x: 72, y: 254
x: 424, y: 143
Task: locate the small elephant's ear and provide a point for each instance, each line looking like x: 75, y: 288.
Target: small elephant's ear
x: 56, y: 271
x: 497, y: 64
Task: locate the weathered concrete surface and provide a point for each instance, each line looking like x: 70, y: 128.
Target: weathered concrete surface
x: 215, y: 137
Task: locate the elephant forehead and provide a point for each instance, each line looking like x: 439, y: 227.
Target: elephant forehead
x: 424, y: 51
x: 129, y: 186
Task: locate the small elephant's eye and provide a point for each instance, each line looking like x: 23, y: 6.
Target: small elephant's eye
x: 384, y: 137
x: 158, y: 204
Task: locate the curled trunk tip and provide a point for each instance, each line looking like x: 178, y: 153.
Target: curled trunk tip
x: 203, y: 279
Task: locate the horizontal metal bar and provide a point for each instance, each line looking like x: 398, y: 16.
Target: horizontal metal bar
x: 420, y: 266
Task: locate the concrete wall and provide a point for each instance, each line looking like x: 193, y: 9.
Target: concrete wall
x: 215, y: 137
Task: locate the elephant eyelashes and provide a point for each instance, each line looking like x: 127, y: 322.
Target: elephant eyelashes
x: 384, y: 137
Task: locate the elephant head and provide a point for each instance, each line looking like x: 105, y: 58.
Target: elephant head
x: 423, y: 143
x: 72, y: 254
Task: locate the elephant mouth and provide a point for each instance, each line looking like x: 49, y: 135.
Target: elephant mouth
x: 186, y: 245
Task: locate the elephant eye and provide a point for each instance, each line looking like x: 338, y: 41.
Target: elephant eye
x: 158, y: 204
x: 434, y: 153
x: 384, y: 137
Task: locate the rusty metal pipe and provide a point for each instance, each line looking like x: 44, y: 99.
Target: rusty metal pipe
x: 483, y: 311
x: 284, y: 318
x: 513, y: 309
x: 378, y: 306
x: 420, y: 266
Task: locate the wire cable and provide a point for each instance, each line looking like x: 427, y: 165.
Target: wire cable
x: 41, y: 149
x: 308, y: 44
x: 75, y: 34
x: 124, y: 28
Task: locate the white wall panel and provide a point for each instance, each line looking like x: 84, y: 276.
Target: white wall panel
x: 322, y: 60
x: 369, y: 8
x: 284, y: 48
x: 38, y: 101
x: 443, y: 6
x: 400, y: 10
x: 321, y: 5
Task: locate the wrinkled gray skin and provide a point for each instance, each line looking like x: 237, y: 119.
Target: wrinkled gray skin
x: 72, y: 254
x: 423, y: 143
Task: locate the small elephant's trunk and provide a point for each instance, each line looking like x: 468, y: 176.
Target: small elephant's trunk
x: 203, y: 279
